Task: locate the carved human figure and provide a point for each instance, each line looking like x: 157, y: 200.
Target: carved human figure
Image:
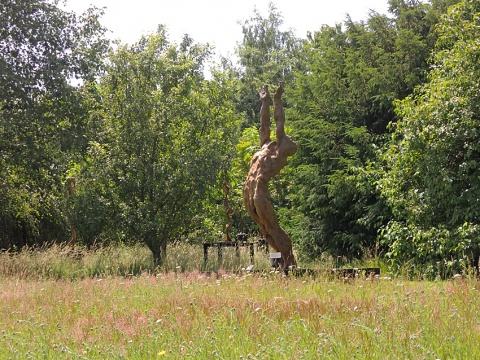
x: 265, y: 164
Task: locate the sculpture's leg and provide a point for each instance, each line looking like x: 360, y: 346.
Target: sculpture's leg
x: 271, y: 242
x: 283, y: 244
x: 248, y: 201
x: 248, y: 189
x: 276, y: 237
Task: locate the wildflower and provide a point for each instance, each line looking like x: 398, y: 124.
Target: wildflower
x: 161, y: 353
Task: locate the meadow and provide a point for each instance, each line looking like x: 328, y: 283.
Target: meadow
x: 110, y: 304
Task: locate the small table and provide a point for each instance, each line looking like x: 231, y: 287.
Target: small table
x: 223, y: 244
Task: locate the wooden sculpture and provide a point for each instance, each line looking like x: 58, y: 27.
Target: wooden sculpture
x: 265, y: 164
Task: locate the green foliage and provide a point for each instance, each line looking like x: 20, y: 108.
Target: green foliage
x: 162, y: 134
x: 434, y: 252
x: 42, y: 48
x: 343, y: 103
x: 267, y: 55
x: 433, y: 162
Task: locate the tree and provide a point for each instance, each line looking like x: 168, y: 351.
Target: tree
x: 340, y: 110
x: 162, y: 135
x: 433, y: 161
x: 43, y: 48
x: 267, y: 56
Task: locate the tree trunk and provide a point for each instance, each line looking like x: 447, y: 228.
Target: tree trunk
x: 159, y: 251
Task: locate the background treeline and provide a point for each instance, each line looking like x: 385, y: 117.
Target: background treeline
x: 385, y: 113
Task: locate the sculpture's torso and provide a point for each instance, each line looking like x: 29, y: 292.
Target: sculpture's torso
x: 270, y: 159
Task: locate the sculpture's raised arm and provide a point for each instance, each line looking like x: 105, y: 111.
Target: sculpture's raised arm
x: 279, y: 112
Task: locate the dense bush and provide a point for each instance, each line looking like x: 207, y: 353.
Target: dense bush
x: 432, y: 181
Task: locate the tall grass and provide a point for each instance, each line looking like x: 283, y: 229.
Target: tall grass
x: 109, y: 303
x: 63, y: 262
x: 187, y: 257
x: 181, y: 316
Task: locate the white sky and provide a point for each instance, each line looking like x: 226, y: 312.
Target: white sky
x: 216, y: 21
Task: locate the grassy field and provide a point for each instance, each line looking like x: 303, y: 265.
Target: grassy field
x: 109, y: 305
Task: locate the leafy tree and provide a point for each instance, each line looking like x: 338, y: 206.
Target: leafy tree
x: 163, y: 131
x: 267, y: 55
x: 43, y: 48
x: 342, y: 105
x: 433, y: 161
